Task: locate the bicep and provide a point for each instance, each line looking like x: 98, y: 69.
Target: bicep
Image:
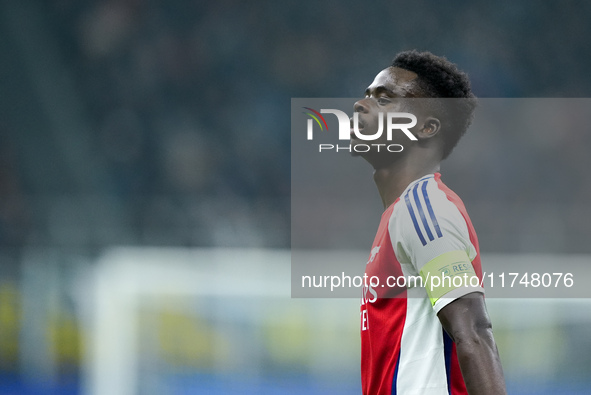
x: 465, y: 317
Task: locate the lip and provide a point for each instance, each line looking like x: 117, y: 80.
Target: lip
x: 360, y: 124
x: 352, y: 133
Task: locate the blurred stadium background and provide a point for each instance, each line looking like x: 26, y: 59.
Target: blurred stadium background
x: 145, y: 187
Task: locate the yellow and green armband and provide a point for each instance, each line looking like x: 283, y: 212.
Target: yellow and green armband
x: 447, y: 272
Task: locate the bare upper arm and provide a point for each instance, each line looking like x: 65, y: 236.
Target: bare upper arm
x: 465, y: 316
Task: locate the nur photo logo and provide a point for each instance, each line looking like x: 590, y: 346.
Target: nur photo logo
x: 348, y: 128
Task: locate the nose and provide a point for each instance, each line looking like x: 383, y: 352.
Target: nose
x: 361, y: 106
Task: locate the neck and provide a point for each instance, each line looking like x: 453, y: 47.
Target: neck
x: 393, y: 179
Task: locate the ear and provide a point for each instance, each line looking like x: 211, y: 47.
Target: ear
x: 430, y: 128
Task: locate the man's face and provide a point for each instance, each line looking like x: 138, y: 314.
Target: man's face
x: 386, y: 93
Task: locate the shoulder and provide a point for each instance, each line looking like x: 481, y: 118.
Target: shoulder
x: 422, y: 207
x: 430, y: 217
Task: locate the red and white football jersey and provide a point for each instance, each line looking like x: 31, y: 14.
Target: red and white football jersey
x: 425, y: 233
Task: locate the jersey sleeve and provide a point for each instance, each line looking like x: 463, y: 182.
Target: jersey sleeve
x: 432, y: 239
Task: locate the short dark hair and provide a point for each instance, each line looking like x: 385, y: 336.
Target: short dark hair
x: 440, y: 78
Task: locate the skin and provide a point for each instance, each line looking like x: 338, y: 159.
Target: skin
x: 465, y: 319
